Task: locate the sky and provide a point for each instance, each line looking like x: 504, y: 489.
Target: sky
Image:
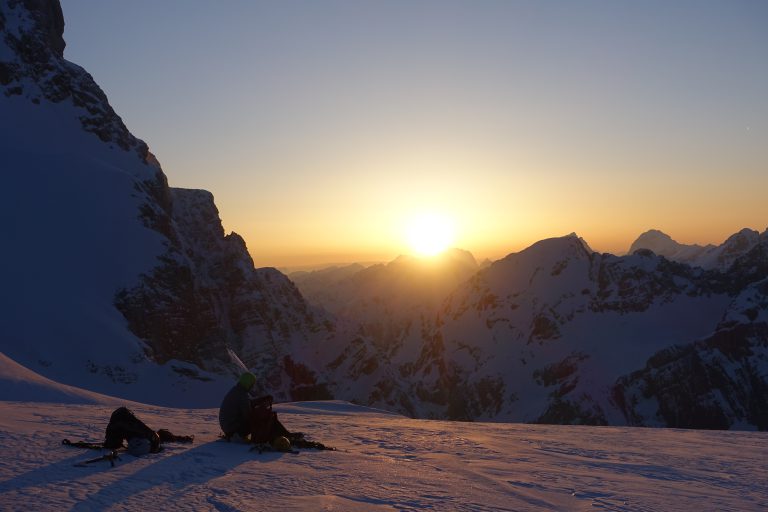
x: 324, y: 129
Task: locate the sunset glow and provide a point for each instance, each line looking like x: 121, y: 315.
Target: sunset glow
x: 523, y: 120
x: 430, y: 234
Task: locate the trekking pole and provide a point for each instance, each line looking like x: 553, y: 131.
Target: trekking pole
x: 112, y: 456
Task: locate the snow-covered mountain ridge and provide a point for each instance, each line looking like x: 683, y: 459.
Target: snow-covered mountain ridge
x: 572, y: 326
x: 710, y: 256
x: 560, y: 334
x: 115, y: 281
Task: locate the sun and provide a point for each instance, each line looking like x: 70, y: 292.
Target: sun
x: 430, y: 234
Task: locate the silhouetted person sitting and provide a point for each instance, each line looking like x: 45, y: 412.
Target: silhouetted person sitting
x: 245, y: 419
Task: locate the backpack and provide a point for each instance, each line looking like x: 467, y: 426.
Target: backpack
x: 263, y: 420
x: 124, y: 425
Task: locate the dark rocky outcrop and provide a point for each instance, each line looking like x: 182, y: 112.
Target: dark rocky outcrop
x: 206, y: 296
x: 717, y: 383
x: 39, y: 72
x: 203, y: 294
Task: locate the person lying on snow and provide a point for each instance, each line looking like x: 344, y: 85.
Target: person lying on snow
x: 247, y: 419
x: 125, y: 426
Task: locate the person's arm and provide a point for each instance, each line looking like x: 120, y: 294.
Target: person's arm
x: 265, y: 401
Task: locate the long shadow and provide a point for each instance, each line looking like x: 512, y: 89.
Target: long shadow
x: 190, y: 467
x: 61, y: 471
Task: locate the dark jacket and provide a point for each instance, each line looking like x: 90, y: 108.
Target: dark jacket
x: 124, y: 425
x: 235, y: 411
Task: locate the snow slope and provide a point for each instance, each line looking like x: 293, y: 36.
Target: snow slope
x: 20, y: 383
x: 384, y: 462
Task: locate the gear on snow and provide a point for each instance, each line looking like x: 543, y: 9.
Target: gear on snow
x: 253, y: 420
x: 124, y: 426
x: 281, y: 443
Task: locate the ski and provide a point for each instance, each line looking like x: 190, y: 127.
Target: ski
x: 112, y: 456
x: 83, y: 444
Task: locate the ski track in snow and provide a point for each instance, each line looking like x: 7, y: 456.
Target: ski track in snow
x: 385, y: 462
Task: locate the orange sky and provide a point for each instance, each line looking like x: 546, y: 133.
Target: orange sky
x: 321, y: 129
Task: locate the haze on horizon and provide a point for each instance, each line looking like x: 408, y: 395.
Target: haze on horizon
x: 324, y: 128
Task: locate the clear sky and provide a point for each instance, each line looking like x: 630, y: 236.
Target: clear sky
x: 323, y: 127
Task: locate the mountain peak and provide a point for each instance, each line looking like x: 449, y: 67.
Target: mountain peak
x: 32, y: 66
x: 654, y: 240
x: 47, y: 25
x: 664, y: 245
x: 709, y: 256
x: 740, y: 242
x: 745, y: 233
x: 551, y: 252
x: 563, y: 244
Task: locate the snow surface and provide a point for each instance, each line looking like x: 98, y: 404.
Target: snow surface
x: 20, y: 384
x: 384, y: 462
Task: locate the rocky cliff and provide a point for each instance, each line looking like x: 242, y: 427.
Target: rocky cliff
x: 143, y: 289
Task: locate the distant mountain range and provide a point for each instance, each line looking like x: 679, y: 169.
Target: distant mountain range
x: 560, y: 334
x: 405, y: 283
x: 117, y: 283
x: 710, y: 256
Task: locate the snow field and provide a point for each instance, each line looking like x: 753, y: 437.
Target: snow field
x: 385, y: 462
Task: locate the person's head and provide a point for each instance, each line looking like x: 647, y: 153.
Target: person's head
x: 247, y: 380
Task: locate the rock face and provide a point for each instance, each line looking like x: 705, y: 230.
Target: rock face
x: 33, y: 66
x: 146, y: 291
x: 715, y: 383
x: 207, y: 296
